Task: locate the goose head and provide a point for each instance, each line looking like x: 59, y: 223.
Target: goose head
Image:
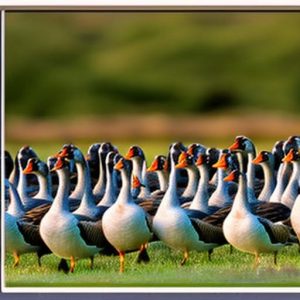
x: 264, y: 157
x: 105, y: 148
x: 92, y: 158
x: 159, y: 164
x: 243, y: 143
x: 224, y: 161
x: 36, y: 166
x: 278, y: 153
x: 135, y: 151
x: 293, y: 155
x: 185, y: 161
x: 195, y: 149
x: 233, y: 176
x: 175, y: 150
x: 61, y: 164
x: 292, y: 142
x: 24, y: 154
x: 202, y: 160
x: 124, y: 166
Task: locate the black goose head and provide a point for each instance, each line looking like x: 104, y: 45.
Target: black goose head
x: 135, y: 151
x: 158, y: 164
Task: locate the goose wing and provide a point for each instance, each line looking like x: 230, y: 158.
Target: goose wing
x: 92, y: 233
x: 218, y: 217
x: 272, y: 211
x: 208, y: 233
x: 31, y: 235
x: 277, y: 232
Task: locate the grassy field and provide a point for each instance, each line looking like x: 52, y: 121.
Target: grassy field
x: 225, y: 270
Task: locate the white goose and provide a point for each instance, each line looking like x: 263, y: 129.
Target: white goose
x: 291, y: 192
x: 124, y: 223
x: 21, y: 237
x: 266, y: 160
x: 172, y: 225
x: 63, y: 233
x: 248, y: 232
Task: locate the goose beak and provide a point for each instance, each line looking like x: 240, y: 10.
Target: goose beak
x: 257, y: 160
x: 235, y: 146
x: 153, y: 167
x: 190, y: 150
x: 62, y: 153
x: 200, y: 160
x: 130, y: 153
x: 136, y: 182
x: 229, y: 177
x: 58, y: 165
x: 119, y: 165
x: 182, y: 161
x: 221, y: 163
x: 289, y: 157
x: 29, y: 168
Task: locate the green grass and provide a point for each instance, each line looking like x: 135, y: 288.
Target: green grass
x: 225, y: 270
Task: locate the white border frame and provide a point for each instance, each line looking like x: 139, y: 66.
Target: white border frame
x: 124, y: 5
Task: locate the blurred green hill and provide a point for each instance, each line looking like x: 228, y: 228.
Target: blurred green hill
x: 64, y: 65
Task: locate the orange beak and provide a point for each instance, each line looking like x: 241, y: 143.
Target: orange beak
x: 182, y: 161
x: 235, y: 145
x: 62, y: 153
x: 221, y: 163
x: 190, y: 150
x: 29, y: 167
x: 58, y: 165
x: 119, y: 165
x: 258, y: 159
x: 129, y: 154
x: 229, y: 177
x: 153, y: 167
x: 200, y: 160
x: 289, y: 157
x: 136, y: 182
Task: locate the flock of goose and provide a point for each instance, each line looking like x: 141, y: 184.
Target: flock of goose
x: 195, y: 198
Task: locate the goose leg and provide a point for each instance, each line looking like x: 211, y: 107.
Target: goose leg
x: 92, y: 262
x: 185, y: 257
x: 275, y: 258
x: 72, y: 265
x: 122, y: 261
x: 39, y: 260
x: 16, y: 258
x: 143, y: 255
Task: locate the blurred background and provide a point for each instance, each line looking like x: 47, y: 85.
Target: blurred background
x: 151, y: 78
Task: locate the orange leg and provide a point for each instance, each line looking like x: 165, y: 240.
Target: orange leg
x: 16, y: 258
x: 122, y: 261
x: 185, y: 257
x: 72, y: 265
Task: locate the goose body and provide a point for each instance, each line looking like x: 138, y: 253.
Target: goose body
x: 248, y: 232
x: 63, y: 233
x: 124, y: 223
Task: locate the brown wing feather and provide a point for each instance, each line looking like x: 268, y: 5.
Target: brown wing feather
x: 278, y: 233
x: 209, y: 233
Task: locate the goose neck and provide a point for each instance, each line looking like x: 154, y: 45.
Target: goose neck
x: 193, y: 178
x: 240, y: 203
x: 79, y: 188
x: 109, y: 196
x: 99, y: 188
x: 15, y: 207
x: 61, y: 199
x: 125, y: 196
x: 163, y: 179
x: 251, y: 170
x: 269, y: 184
x: 45, y: 187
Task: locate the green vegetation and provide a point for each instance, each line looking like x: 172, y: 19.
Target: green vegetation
x: 224, y: 270
x: 66, y: 65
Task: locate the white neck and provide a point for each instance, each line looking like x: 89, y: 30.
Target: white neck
x: 282, y: 181
x: 79, y: 188
x: 15, y: 207
x: 200, y: 201
x: 163, y: 177
x: 45, y: 187
x: 125, y: 196
x: 100, y: 186
x: 22, y: 186
x: 193, y: 178
x: 109, y: 197
x: 251, y: 171
x: 269, y: 184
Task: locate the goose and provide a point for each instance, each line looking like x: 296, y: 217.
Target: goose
x: 200, y: 200
x: 87, y: 207
x: 40, y: 169
x: 100, y: 186
x: 124, y: 223
x: 248, y: 232
x: 291, y: 192
x: 172, y: 225
x: 21, y: 237
x: 92, y: 159
x: 221, y: 197
x: 137, y: 156
x: 43, y: 196
x: 65, y: 235
x: 266, y: 160
x: 159, y: 165
x: 272, y: 211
